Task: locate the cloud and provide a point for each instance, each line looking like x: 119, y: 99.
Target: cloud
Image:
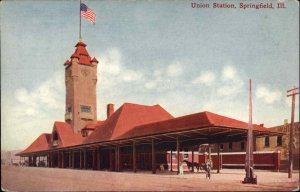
x: 30, y: 112
x: 46, y: 95
x: 150, y: 85
x: 174, y: 69
x: 164, y: 78
x: 231, y: 82
x: 228, y: 107
x: 229, y: 73
x: 112, y: 70
x: 130, y: 75
x: 267, y: 95
x: 156, y: 80
x: 21, y: 94
x: 206, y: 78
x: 111, y: 62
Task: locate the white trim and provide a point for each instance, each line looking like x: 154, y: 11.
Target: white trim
x: 223, y: 153
x: 241, y: 153
x: 257, y: 165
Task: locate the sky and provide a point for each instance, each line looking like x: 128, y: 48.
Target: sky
x: 187, y: 60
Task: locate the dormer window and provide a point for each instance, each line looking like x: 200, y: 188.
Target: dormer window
x: 55, y: 139
x: 55, y: 136
x: 85, y: 109
x: 86, y: 132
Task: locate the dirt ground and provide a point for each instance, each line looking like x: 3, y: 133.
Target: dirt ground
x: 52, y: 179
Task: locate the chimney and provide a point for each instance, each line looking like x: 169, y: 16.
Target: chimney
x: 261, y: 125
x: 110, y: 110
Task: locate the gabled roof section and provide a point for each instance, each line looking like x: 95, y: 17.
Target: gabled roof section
x: 82, y: 54
x: 40, y: 144
x: 222, y: 121
x: 94, y: 60
x: 197, y: 120
x: 125, y: 119
x: 66, y: 135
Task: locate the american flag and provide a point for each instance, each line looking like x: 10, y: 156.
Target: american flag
x: 87, y: 13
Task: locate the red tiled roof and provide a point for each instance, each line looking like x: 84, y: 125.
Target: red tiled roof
x: 82, y: 54
x: 93, y: 125
x: 74, y: 55
x: 219, y: 120
x: 67, y: 62
x: 44, y: 142
x: 203, y: 119
x: 66, y: 135
x: 133, y: 120
x: 80, y: 43
x: 40, y: 144
x: 94, y: 60
x: 126, y: 118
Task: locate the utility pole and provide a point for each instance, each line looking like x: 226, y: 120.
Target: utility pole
x: 250, y: 177
x: 292, y: 92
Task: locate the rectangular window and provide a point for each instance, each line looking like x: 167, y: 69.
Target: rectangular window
x: 267, y: 141
x: 221, y: 146
x: 279, y: 140
x: 69, y: 109
x: 230, y: 146
x: 242, y: 145
x: 86, y: 109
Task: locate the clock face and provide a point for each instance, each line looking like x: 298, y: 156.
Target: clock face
x: 85, y: 72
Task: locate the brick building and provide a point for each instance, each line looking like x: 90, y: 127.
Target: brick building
x: 134, y: 137
x: 269, y: 144
x: 281, y: 143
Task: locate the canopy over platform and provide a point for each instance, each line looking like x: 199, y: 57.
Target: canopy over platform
x: 142, y: 124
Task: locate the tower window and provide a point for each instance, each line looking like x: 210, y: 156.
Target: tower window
x: 69, y: 109
x: 86, y: 109
x: 279, y: 140
x: 267, y: 141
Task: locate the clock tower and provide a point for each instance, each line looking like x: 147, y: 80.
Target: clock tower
x: 81, y: 81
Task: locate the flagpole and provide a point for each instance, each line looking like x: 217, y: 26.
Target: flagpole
x: 80, y: 38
